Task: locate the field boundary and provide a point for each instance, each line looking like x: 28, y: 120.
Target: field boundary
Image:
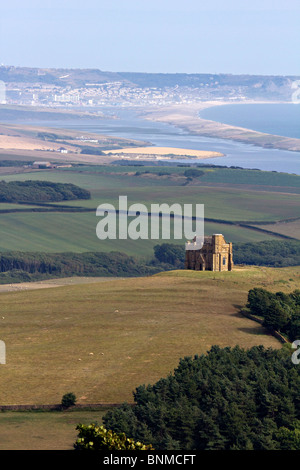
x: 58, y: 407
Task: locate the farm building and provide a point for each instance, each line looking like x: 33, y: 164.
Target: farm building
x: 41, y: 165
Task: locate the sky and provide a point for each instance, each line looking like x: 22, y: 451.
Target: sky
x: 159, y: 36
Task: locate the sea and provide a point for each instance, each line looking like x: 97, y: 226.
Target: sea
x: 274, y: 118
x: 279, y: 119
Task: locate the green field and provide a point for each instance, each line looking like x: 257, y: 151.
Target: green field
x: 63, y: 232
x: 53, y: 430
x: 246, y: 196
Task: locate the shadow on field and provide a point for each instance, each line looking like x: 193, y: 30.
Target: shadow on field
x: 255, y: 330
x: 238, y: 306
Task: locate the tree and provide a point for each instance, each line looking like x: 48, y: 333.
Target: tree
x: 258, y: 300
x: 280, y: 311
x: 69, y: 399
x: 289, y: 439
x: 276, y: 316
x: 294, y: 326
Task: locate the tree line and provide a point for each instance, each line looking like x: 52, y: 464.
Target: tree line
x: 227, y: 399
x: 20, y: 267
x: 279, y: 311
x: 40, y: 191
x: 273, y: 253
x: 16, y: 266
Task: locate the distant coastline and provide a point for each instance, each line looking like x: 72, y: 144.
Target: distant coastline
x: 186, y: 117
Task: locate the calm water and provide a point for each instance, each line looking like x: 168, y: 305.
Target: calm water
x: 278, y: 119
x: 129, y: 125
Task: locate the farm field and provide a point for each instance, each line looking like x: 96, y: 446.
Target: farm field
x: 43, y: 430
x: 8, y: 206
x: 291, y: 229
x: 238, y: 204
x: 76, y: 232
x: 269, y: 200
x: 101, y: 340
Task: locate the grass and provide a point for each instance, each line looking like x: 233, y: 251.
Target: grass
x: 231, y: 203
x: 11, y: 206
x: 57, y: 231
x: 76, y: 232
x: 102, y: 340
x: 292, y: 229
x: 213, y: 175
x: 53, y: 430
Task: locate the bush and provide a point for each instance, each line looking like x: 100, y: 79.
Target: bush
x: 91, y: 151
x: 69, y: 399
x: 193, y: 173
x: 93, y: 437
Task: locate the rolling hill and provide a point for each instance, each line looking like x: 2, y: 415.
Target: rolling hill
x: 100, y: 340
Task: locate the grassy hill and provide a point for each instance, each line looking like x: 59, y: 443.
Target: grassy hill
x: 101, y: 340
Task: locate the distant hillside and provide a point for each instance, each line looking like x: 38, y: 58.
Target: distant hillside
x: 251, y: 86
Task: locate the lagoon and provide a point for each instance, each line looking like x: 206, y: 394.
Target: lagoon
x: 129, y: 125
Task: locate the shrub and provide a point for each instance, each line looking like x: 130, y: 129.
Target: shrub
x: 193, y: 173
x: 93, y: 437
x: 69, y: 399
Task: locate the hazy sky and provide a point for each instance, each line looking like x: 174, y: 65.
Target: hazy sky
x: 192, y: 36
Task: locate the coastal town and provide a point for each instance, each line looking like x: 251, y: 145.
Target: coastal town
x: 92, y: 88
x: 107, y: 94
